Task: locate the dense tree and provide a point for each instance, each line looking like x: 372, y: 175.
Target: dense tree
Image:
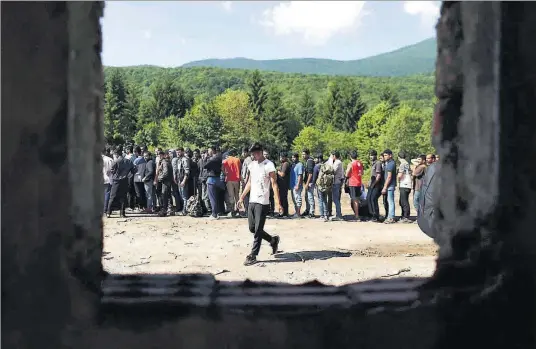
x: 119, y: 111
x: 350, y: 109
x: 155, y: 106
x: 401, y: 130
x: 238, y: 124
x: 257, y: 94
x: 202, y: 126
x: 306, y: 109
x: 387, y: 95
x: 165, y: 98
x: 370, y: 127
x: 275, y: 122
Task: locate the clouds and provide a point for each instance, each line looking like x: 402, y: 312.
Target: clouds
x: 428, y: 11
x: 227, y: 6
x: 315, y: 21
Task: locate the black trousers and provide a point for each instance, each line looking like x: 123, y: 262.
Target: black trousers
x: 372, y: 201
x: 386, y: 205
x: 131, y: 194
x: 272, y: 202
x: 283, y: 198
x: 141, y: 198
x: 118, y: 195
x: 256, y: 218
x: 404, y: 202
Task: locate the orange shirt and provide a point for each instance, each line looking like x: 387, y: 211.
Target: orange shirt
x: 231, y: 166
x: 355, y: 174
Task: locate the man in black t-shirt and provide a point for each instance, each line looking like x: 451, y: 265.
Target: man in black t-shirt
x: 308, y: 169
x: 375, y: 186
x: 283, y: 183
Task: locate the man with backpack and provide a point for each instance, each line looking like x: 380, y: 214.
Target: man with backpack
x: 324, y: 185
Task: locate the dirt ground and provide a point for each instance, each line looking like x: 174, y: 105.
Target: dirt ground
x: 334, y: 253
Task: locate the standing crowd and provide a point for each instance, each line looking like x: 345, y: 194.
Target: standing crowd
x: 209, y: 182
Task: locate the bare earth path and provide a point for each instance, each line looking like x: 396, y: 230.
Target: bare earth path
x: 334, y: 253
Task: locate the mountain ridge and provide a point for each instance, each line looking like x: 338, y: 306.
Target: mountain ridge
x: 418, y: 58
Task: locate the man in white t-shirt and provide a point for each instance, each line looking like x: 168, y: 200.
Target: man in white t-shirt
x: 262, y: 173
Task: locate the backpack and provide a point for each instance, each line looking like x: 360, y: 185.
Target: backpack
x: 325, y: 178
x: 406, y: 180
x: 193, y: 207
x: 426, y: 215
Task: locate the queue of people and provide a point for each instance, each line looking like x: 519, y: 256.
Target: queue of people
x: 210, y: 183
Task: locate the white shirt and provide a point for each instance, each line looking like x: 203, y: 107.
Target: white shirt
x: 107, y: 163
x: 259, y: 174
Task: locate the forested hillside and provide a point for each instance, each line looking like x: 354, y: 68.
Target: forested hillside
x: 198, y: 107
x: 414, y: 59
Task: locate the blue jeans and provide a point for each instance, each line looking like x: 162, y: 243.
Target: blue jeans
x: 183, y: 192
x: 337, y: 199
x: 107, y: 189
x: 323, y: 203
x: 391, y: 201
x: 150, y: 194
x: 296, y: 198
x: 310, y: 200
x: 416, y: 200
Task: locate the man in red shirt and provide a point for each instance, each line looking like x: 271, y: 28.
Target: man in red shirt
x: 231, y: 168
x: 354, y: 172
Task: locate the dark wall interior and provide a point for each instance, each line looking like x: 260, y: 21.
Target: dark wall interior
x: 482, y: 294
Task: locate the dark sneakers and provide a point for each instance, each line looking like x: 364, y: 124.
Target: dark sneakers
x: 275, y: 244
x: 250, y: 260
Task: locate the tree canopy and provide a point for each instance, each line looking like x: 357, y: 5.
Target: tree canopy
x: 199, y: 107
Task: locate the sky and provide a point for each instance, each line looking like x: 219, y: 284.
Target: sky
x: 172, y: 33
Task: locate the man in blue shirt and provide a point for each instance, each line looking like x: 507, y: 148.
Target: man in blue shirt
x: 296, y: 184
x: 389, y: 184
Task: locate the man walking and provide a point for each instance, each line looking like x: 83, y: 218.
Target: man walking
x: 262, y: 175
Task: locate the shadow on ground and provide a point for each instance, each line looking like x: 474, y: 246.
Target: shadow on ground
x: 303, y: 256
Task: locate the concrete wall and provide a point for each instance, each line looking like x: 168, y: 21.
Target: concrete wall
x: 481, y: 295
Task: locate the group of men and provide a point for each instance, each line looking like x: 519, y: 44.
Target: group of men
x: 224, y: 184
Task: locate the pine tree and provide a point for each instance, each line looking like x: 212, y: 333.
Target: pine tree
x: 351, y: 108
x: 257, y: 94
x: 275, y: 120
x: 387, y: 95
x: 307, y: 110
x: 115, y: 97
x: 166, y: 98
